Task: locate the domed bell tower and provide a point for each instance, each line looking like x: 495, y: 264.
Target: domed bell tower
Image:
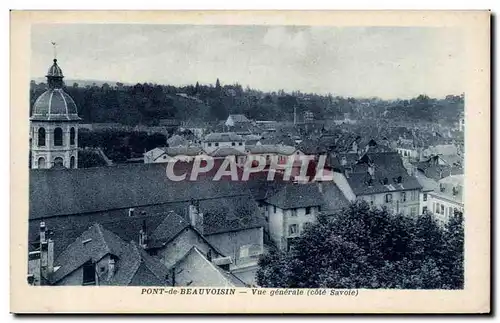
x: 54, y: 125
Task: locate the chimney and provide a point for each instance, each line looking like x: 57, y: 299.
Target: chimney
x: 111, y: 268
x: 143, y: 235
x: 42, y: 232
x: 371, y: 171
x: 44, y: 253
x: 195, y: 216
x: 50, y: 256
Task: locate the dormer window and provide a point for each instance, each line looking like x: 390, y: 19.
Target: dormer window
x: 385, y: 181
x: 233, y: 144
x: 399, y: 179
x: 441, y: 187
x: 455, y: 190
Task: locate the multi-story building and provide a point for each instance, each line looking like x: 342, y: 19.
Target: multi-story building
x: 381, y: 180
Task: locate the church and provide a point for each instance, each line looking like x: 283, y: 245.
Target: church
x: 54, y: 125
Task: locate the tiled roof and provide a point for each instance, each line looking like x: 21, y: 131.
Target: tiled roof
x: 222, y: 137
x: 183, y: 150
x: 270, y: 149
x: 168, y: 229
x: 294, y: 195
x: 97, y: 242
x: 85, y: 190
x: 64, y: 230
x: 388, y: 166
x: 194, y: 269
x: 230, y: 214
x: 226, y: 151
x: 239, y: 118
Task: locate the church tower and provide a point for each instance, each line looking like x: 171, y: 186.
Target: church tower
x: 54, y: 125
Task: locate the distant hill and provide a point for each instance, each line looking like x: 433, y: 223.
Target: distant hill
x: 82, y: 83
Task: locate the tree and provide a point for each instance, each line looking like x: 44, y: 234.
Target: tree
x: 365, y: 247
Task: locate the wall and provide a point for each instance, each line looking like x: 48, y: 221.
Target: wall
x: 196, y: 271
x: 230, y: 243
x: 178, y: 248
x: 275, y: 227
x: 434, y: 199
x: 213, y: 147
x: 397, y: 205
x: 49, y: 152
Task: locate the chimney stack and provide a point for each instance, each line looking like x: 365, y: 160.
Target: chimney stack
x: 371, y: 171
x: 44, y: 253
x: 195, y: 216
x: 143, y: 235
x: 111, y: 268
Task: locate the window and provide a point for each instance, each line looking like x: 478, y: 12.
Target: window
x: 209, y: 144
x: 72, y: 134
x: 293, y: 212
x: 436, y: 208
x: 292, y: 229
x: 413, y: 211
x: 450, y: 211
x: 388, y: 198
x: 308, y: 210
x: 58, y: 161
x: 41, y: 137
x: 88, y: 273
x: 41, y: 162
x: 424, y: 210
x: 403, y: 196
x: 413, y: 195
x: 386, y: 181
x: 72, y: 162
x: 58, y: 137
x: 233, y: 144
x: 399, y: 179
x: 216, y: 144
x: 425, y: 197
x: 442, y: 209
x: 274, y: 211
x: 240, y: 144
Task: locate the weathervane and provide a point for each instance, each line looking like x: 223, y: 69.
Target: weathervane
x: 55, y: 49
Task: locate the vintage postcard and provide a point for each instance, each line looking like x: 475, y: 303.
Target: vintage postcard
x: 250, y: 162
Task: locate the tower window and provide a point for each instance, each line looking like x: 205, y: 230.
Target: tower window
x: 72, y: 134
x: 58, y: 137
x: 41, y: 162
x: 41, y: 137
x: 72, y: 162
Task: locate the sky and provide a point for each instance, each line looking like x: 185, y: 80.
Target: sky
x: 384, y: 62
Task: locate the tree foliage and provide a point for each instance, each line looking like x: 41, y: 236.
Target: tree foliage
x: 363, y: 247
x: 147, y: 103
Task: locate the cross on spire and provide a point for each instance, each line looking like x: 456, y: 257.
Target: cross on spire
x: 55, y: 49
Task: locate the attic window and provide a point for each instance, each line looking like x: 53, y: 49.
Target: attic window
x: 385, y: 181
x: 240, y: 144
x: 399, y: 179
x: 441, y: 187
